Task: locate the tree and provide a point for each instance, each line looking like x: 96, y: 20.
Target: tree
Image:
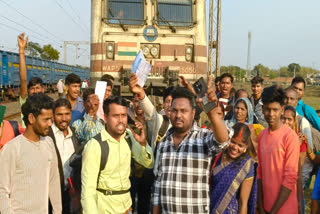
x: 46, y: 52
x: 34, y: 49
x: 49, y: 53
x: 272, y: 74
x: 294, y: 68
x: 260, y: 70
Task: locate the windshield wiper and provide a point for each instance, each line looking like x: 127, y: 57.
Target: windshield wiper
x: 120, y: 23
x: 173, y: 30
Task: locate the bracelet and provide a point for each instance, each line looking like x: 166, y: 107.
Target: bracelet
x: 310, y: 153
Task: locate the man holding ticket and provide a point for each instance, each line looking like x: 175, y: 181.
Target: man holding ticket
x: 90, y: 125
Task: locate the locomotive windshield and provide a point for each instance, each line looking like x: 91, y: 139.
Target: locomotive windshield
x: 175, y: 13
x: 125, y: 12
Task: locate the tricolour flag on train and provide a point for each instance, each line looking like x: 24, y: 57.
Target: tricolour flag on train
x: 127, y: 49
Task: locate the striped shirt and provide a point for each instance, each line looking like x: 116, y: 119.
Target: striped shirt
x: 87, y: 128
x: 29, y: 176
x: 182, y: 181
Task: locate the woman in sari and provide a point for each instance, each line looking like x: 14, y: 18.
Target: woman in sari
x: 233, y: 187
x: 243, y: 113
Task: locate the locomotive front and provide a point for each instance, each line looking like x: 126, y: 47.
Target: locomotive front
x: 170, y: 33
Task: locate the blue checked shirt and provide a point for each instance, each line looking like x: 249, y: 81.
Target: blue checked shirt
x: 182, y: 181
x: 87, y: 128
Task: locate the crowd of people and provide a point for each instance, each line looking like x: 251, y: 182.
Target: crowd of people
x: 253, y: 154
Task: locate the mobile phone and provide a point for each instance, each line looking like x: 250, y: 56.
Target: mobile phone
x: 200, y: 87
x: 2, y: 111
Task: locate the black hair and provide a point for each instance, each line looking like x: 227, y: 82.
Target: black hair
x: 238, y: 92
x: 256, y: 80
x: 245, y: 138
x: 34, y: 81
x: 292, y: 90
x: 34, y: 104
x: 273, y: 94
x: 61, y: 102
x: 113, y: 99
x: 224, y: 75
x: 298, y: 79
x: 86, y: 93
x: 107, y: 77
x: 181, y: 92
x: 217, y: 79
x: 109, y: 83
x: 72, y: 78
x: 233, y: 91
x: 292, y: 109
x: 167, y: 92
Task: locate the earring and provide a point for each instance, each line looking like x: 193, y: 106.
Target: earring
x: 244, y: 150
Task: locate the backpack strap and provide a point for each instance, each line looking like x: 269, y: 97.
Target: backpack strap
x: 15, y: 127
x: 105, y: 151
x: 104, y: 154
x: 60, y: 167
x: 76, y: 142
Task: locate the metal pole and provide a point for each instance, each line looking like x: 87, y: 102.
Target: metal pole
x: 218, y: 37
x: 65, y: 52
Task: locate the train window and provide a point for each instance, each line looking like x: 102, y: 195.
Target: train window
x: 174, y: 13
x: 125, y: 12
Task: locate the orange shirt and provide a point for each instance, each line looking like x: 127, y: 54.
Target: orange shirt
x: 8, y: 133
x: 278, y: 158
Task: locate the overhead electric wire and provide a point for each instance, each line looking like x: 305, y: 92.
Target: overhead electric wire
x: 28, y: 29
x: 54, y: 36
x: 75, y: 12
x: 70, y: 16
x: 13, y: 28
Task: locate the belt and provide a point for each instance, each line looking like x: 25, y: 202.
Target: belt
x: 110, y: 192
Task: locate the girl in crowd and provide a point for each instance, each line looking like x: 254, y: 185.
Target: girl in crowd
x: 290, y: 118
x: 233, y: 187
x: 243, y: 113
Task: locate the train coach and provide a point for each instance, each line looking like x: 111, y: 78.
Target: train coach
x: 50, y: 72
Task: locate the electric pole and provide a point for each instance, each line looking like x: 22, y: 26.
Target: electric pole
x: 214, y: 37
x: 249, y: 55
x: 76, y: 44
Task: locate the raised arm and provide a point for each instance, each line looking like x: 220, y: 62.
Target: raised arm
x: 187, y: 85
x: 141, y: 151
x: 22, y: 42
x: 220, y: 130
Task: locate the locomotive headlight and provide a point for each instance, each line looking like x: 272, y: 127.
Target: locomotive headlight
x: 188, y: 57
x: 146, y: 51
x: 110, y: 55
x: 110, y: 47
x: 189, y: 53
x: 154, y: 51
x: 110, y: 50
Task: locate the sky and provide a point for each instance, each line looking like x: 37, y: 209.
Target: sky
x: 283, y: 31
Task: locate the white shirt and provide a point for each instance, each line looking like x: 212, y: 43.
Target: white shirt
x: 60, y: 87
x: 66, y: 149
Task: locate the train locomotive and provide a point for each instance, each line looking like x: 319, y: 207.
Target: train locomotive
x: 170, y: 33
